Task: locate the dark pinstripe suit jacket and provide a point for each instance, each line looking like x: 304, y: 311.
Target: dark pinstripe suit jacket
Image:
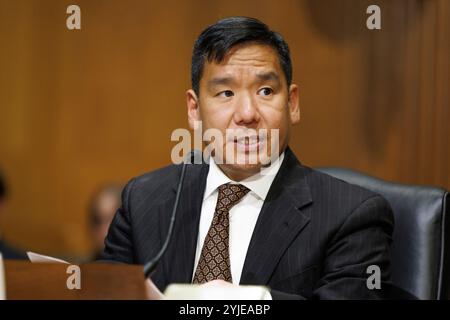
x: 314, y: 238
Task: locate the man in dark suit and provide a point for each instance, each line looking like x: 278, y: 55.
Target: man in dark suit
x: 302, y: 233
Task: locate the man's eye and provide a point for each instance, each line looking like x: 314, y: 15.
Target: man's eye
x: 265, y: 91
x: 226, y: 93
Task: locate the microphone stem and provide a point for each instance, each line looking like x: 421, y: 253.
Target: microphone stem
x: 152, y: 264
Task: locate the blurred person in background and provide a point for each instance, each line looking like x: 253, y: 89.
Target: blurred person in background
x: 6, y: 250
x: 102, y: 207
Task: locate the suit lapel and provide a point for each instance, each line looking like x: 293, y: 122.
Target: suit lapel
x: 279, y: 222
x: 179, y: 259
x: 281, y: 219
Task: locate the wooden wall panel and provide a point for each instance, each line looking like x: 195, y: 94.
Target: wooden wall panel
x: 81, y: 108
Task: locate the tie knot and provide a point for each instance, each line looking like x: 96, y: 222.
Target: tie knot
x: 229, y: 195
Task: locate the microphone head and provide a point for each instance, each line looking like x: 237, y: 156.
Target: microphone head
x: 194, y: 157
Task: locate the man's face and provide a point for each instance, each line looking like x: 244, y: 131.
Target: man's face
x: 247, y: 90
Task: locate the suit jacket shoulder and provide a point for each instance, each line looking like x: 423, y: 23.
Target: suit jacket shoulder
x: 344, y: 196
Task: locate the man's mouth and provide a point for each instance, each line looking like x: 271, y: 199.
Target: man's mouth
x: 248, y: 143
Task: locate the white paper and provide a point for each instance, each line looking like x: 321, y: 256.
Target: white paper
x: 197, y: 292
x: 40, y: 258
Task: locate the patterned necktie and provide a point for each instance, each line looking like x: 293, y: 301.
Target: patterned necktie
x: 214, y: 262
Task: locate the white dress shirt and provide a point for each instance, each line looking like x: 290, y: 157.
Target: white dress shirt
x: 243, y: 215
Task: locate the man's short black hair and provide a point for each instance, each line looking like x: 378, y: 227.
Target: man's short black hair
x: 217, y: 39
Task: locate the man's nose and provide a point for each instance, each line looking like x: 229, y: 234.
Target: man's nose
x: 246, y: 111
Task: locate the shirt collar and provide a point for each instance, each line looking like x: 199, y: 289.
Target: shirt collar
x: 259, y: 183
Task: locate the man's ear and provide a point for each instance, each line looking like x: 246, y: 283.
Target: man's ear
x: 294, y: 109
x: 193, y: 110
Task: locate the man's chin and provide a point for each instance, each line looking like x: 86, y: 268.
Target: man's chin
x: 242, y: 171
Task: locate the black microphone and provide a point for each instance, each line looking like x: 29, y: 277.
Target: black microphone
x: 195, y: 157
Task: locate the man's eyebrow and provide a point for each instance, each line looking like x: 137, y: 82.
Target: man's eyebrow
x: 220, y: 81
x: 227, y: 80
x: 267, y: 76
